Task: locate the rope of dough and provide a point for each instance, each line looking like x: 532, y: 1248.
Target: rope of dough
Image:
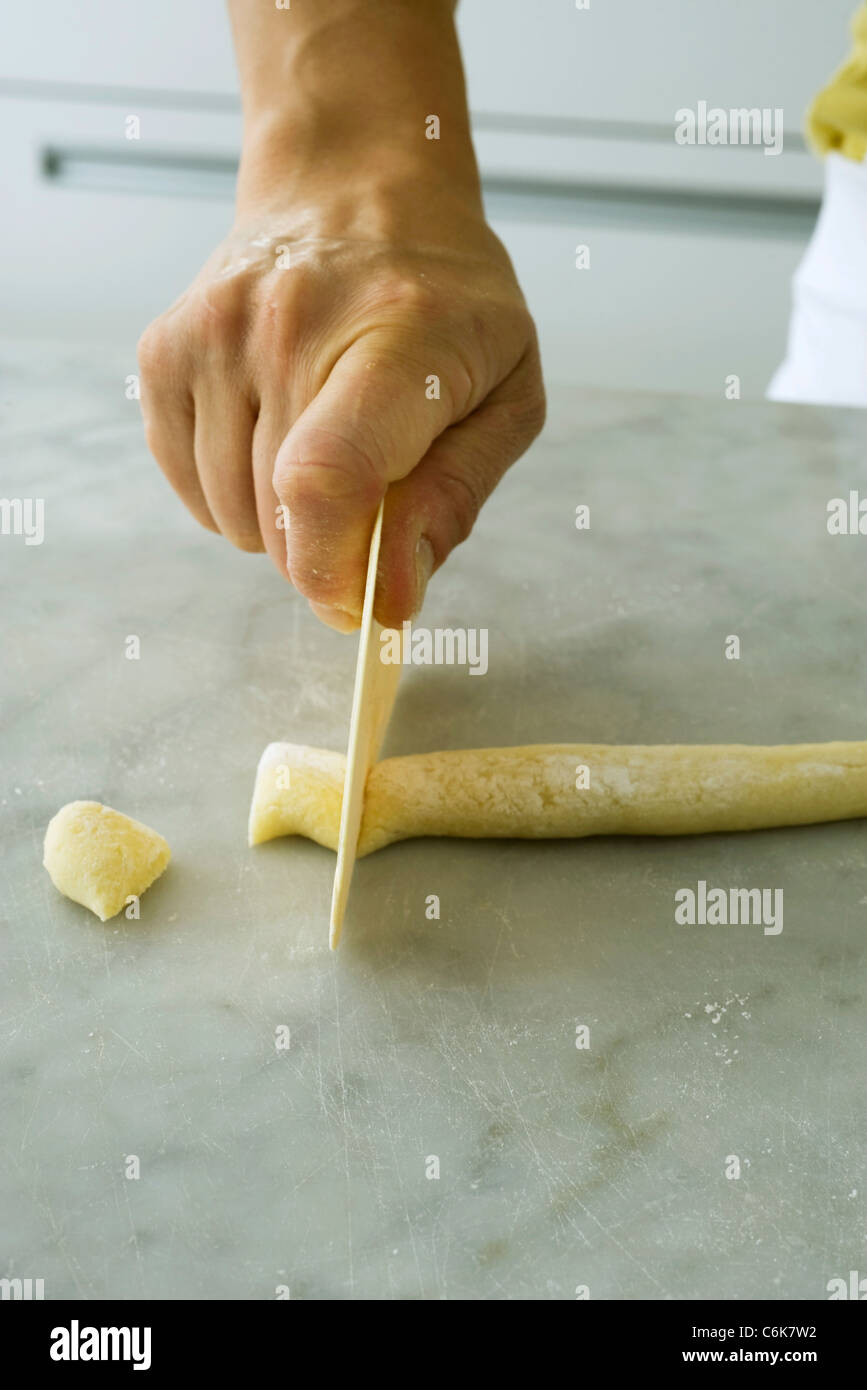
x: 530, y: 792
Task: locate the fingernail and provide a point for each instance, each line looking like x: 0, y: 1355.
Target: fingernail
x: 424, y: 568
x: 337, y: 618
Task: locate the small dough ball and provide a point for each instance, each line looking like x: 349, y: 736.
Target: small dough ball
x: 99, y: 857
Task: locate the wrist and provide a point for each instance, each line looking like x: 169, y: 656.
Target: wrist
x: 289, y: 164
x: 356, y: 94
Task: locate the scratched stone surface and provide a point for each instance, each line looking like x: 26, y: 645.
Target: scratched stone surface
x: 306, y: 1168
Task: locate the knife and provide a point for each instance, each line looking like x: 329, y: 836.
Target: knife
x: 372, y: 701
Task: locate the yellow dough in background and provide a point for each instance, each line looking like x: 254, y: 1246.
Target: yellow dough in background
x: 99, y: 857
x: 538, y: 791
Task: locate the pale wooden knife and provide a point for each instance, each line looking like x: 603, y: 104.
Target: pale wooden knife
x: 372, y: 701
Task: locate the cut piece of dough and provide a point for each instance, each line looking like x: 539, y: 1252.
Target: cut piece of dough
x: 99, y: 857
x: 530, y: 792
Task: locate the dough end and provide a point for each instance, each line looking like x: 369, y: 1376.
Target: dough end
x: 298, y: 791
x: 99, y: 857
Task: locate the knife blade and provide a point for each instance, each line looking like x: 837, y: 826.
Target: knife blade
x: 372, y: 701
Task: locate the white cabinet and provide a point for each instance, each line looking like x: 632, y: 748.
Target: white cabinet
x: 109, y: 235
x: 639, y: 60
x: 161, y: 46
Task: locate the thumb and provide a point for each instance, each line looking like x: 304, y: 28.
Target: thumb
x: 432, y: 510
x: 369, y: 424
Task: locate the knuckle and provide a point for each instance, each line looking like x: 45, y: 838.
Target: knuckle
x: 534, y: 412
x: 522, y: 419
x: 217, y: 316
x: 326, y: 467
x: 464, y: 497
x: 276, y: 328
x: 153, y: 349
x: 282, y: 303
x: 407, y: 294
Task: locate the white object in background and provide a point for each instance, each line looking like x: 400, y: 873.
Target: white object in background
x: 826, y: 357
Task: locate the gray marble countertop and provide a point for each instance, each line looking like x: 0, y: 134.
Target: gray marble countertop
x: 306, y: 1169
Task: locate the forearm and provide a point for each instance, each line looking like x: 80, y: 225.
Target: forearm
x: 343, y: 88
